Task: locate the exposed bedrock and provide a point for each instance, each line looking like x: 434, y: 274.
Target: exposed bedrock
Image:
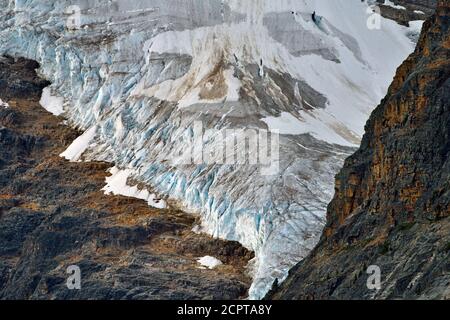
x: 53, y: 214
x: 391, y: 207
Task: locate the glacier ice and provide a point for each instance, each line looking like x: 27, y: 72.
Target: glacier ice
x: 136, y: 76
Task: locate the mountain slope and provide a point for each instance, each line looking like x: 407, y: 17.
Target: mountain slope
x: 138, y: 76
x: 53, y: 214
x: 405, y: 11
x: 392, y: 203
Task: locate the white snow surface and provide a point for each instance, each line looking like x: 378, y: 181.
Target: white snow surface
x: 142, y: 72
x: 51, y: 103
x: 416, y: 25
x: 209, y: 262
x: 4, y: 104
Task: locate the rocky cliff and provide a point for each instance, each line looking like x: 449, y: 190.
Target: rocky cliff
x: 392, y: 198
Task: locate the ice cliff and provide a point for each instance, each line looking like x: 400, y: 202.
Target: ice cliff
x: 139, y: 75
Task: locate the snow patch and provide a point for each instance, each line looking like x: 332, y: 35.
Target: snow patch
x: 117, y: 184
x: 79, y: 145
x: 51, y: 103
x: 416, y: 25
x: 4, y: 104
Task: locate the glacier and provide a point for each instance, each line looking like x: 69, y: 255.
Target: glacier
x: 137, y: 75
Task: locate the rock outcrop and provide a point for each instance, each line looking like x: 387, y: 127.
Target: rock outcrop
x: 404, y: 11
x: 53, y: 214
x: 391, y: 207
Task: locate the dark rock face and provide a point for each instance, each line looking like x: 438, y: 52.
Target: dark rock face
x: 392, y: 203
x: 413, y: 10
x: 21, y: 80
x: 53, y: 214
